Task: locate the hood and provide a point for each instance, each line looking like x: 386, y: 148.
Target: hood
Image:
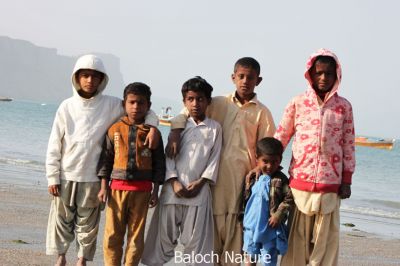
x: 89, y: 62
x: 310, y: 62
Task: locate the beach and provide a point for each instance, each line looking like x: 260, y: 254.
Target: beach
x: 24, y: 212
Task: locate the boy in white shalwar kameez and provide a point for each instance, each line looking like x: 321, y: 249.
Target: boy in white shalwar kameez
x: 185, y: 208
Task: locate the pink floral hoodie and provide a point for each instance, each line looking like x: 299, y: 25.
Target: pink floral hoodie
x: 323, y: 147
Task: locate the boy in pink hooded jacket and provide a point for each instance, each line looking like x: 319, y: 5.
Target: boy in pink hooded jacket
x: 322, y: 164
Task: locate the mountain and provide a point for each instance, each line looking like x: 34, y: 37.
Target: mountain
x: 31, y: 72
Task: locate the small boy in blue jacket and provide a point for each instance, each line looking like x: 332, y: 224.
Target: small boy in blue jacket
x: 267, y: 202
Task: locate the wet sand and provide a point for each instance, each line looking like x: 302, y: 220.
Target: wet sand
x: 23, y: 220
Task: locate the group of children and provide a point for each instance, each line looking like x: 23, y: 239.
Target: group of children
x: 223, y: 193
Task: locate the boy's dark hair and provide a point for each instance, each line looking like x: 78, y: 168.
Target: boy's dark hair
x: 325, y: 59
x: 248, y: 62
x: 197, y: 84
x: 137, y: 88
x: 269, y: 146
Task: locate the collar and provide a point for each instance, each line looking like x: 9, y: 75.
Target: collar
x: 205, y: 122
x: 236, y: 101
x: 125, y: 120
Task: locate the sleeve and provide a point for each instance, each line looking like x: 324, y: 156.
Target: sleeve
x: 285, y: 129
x: 53, y: 154
x: 158, y: 163
x: 211, y: 171
x: 171, y: 169
x: 348, y: 147
x: 286, y: 204
x: 106, y: 161
x: 151, y: 119
x: 267, y: 125
x: 179, y: 121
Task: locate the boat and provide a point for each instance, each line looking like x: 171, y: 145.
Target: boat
x: 5, y: 99
x: 165, y: 116
x: 375, y: 143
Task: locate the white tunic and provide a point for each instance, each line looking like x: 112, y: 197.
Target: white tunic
x: 198, y: 158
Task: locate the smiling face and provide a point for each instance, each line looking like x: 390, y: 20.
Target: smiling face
x: 323, y: 77
x: 89, y: 81
x: 245, y: 80
x: 196, y: 103
x: 269, y: 164
x: 136, y: 107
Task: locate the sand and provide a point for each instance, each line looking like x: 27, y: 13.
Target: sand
x: 24, y: 213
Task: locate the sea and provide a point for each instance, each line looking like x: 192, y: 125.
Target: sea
x: 374, y: 205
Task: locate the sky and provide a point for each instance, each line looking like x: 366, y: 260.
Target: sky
x: 164, y: 43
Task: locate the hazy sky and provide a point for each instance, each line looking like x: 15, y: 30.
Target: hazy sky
x: 164, y: 43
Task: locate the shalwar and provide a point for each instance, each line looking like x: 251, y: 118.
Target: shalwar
x: 126, y: 210
x: 192, y: 225
x: 75, y: 211
x: 314, y: 230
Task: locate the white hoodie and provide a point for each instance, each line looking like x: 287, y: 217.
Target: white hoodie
x: 79, y: 128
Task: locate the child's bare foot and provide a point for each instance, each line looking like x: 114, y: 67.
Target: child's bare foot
x: 81, y: 262
x: 61, y: 261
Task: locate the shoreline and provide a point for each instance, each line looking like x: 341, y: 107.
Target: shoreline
x: 24, y: 213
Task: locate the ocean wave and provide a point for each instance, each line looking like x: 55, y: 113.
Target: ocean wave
x: 371, y: 211
x: 387, y: 203
x: 22, y: 162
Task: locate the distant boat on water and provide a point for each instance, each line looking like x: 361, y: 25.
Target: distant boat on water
x: 165, y: 116
x: 375, y: 143
x: 5, y: 99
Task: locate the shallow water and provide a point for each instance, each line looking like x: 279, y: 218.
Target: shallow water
x: 25, y: 128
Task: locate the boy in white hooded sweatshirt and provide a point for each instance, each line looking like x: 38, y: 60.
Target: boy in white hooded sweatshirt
x: 74, y: 148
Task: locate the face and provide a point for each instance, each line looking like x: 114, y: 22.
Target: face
x: 269, y: 164
x: 136, y: 107
x: 245, y: 80
x: 196, y: 103
x: 89, y: 81
x: 323, y: 77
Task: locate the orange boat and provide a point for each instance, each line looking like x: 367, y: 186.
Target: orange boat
x: 375, y: 143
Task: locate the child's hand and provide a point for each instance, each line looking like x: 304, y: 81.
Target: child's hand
x: 254, y: 173
x: 174, y: 139
x: 344, y: 191
x: 153, y: 199
x: 104, y: 189
x: 194, y: 187
x: 153, y: 138
x: 54, y: 190
x: 273, y: 222
x: 103, y: 195
x: 178, y: 188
